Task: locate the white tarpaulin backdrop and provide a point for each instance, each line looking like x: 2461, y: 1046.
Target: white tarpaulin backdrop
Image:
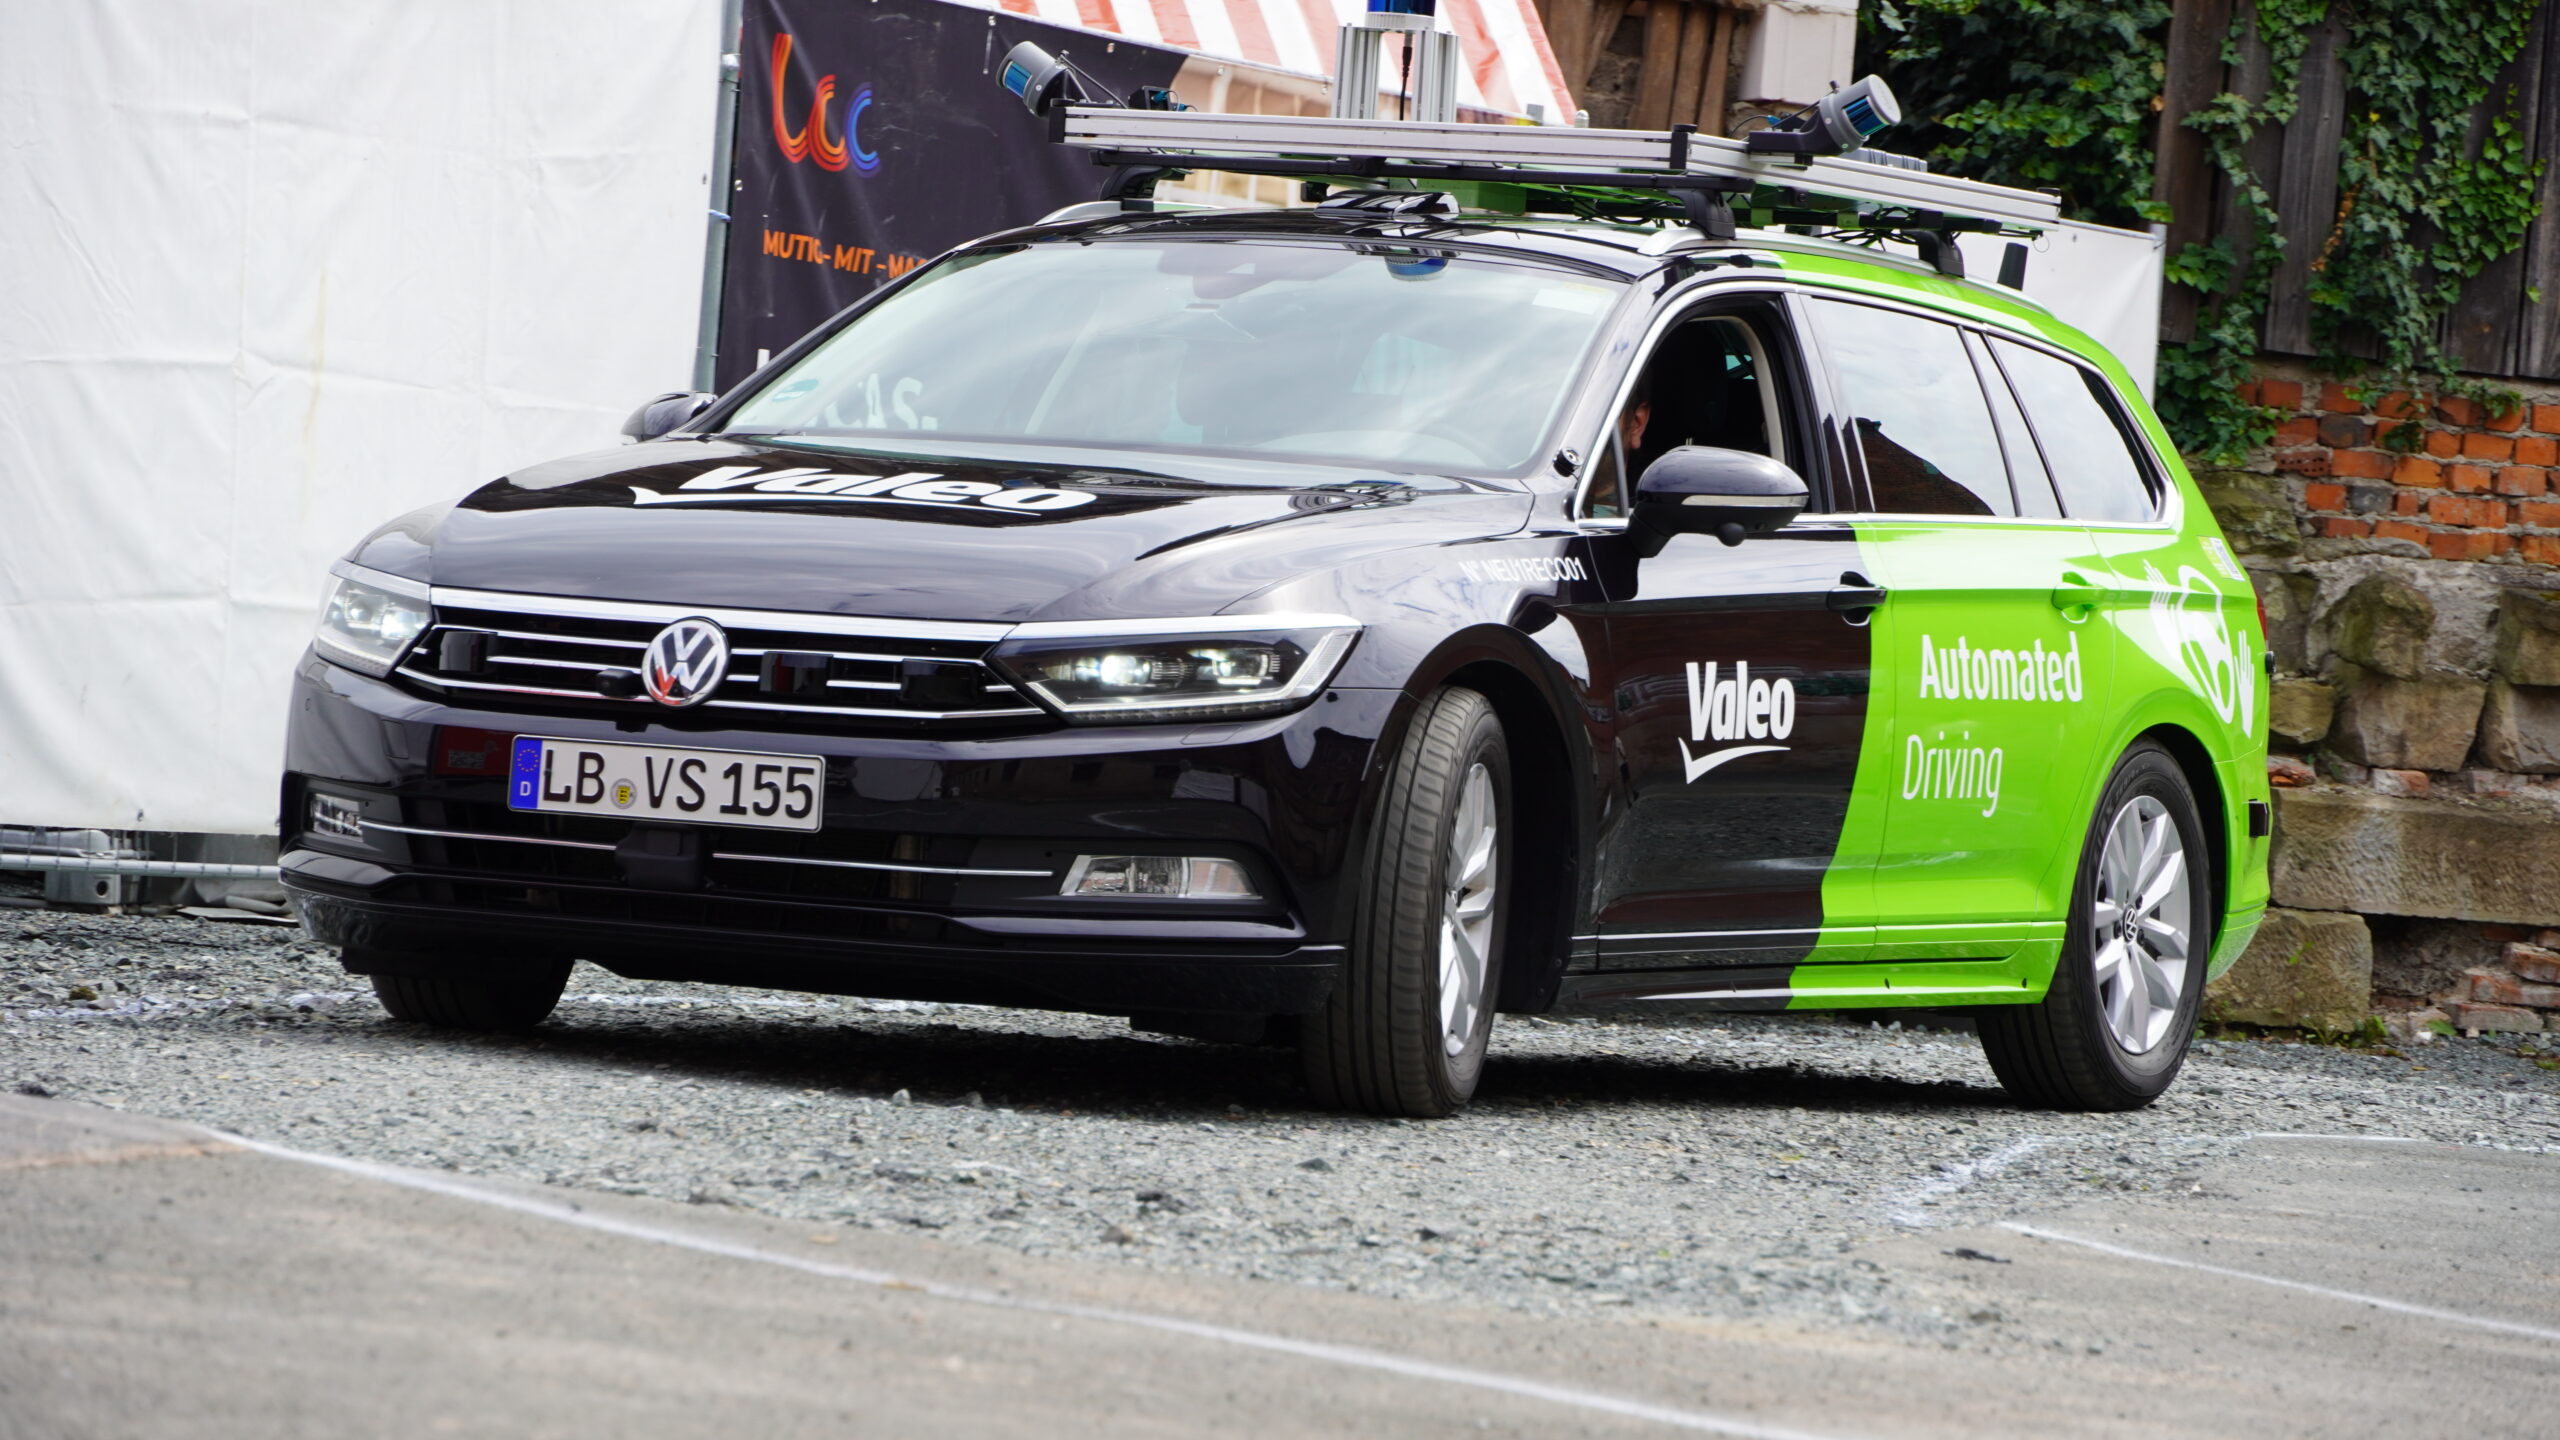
x: 271, y: 272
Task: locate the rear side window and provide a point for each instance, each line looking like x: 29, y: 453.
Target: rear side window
x: 2084, y: 444
x: 2026, y: 468
x: 1918, y: 412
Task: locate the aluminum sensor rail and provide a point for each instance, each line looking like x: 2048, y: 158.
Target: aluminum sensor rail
x: 1531, y: 155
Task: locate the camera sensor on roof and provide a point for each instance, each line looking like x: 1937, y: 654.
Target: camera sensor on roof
x: 1039, y: 79
x: 1043, y: 82
x: 1835, y: 124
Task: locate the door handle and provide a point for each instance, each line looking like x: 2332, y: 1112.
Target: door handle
x: 1856, y: 597
x: 2075, y: 596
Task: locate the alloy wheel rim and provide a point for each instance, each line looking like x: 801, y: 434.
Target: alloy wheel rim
x: 1467, y: 909
x: 2139, y: 921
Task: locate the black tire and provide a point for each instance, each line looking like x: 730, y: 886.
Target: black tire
x: 2063, y: 1053
x: 1380, y: 1043
x: 460, y: 1002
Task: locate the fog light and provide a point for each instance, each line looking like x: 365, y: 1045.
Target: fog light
x: 333, y: 816
x: 1161, y: 877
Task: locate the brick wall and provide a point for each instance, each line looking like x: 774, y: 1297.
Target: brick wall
x: 2412, y: 594
x: 2519, y: 994
x: 2475, y: 485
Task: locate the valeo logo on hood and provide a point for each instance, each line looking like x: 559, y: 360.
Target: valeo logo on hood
x: 751, y: 484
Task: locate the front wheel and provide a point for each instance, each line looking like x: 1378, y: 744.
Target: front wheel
x: 1405, y: 1031
x: 473, y: 1002
x: 2112, y: 1030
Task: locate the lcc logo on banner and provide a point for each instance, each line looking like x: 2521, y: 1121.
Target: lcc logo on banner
x: 810, y: 141
x: 836, y: 194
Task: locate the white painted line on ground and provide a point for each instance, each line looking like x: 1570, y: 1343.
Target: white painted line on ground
x: 2474, y: 1144
x: 568, y: 1213
x: 2403, y: 1307
x: 1904, y: 1209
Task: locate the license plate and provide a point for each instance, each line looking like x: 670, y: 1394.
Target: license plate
x: 654, y: 782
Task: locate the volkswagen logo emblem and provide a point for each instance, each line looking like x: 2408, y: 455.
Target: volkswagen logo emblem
x: 686, y: 663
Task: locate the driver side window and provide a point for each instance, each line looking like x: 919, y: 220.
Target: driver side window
x: 1709, y: 382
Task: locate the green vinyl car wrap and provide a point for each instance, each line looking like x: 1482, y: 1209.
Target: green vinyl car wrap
x: 2019, y: 658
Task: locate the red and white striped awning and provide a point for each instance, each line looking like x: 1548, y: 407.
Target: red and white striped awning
x: 1509, y: 65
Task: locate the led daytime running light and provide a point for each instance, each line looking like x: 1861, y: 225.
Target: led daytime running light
x: 369, y: 619
x: 1260, y: 665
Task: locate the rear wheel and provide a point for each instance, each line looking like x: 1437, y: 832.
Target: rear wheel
x: 2113, y: 1030
x: 1405, y: 1031
x: 475, y: 1002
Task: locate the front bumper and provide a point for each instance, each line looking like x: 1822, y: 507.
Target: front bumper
x: 883, y: 900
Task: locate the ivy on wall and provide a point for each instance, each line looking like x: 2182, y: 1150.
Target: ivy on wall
x: 2422, y: 210
x: 2062, y: 94
x: 2197, y: 385
x: 2045, y: 94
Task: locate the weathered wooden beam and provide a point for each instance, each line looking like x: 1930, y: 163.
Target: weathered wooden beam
x: 2305, y: 187
x: 2538, y: 333
x: 1689, y: 72
x: 2495, y: 328
x: 2183, y: 175
x: 2263, y: 151
x: 1712, y: 96
x: 1652, y: 109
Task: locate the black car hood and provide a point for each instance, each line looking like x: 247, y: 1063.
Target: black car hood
x: 722, y: 523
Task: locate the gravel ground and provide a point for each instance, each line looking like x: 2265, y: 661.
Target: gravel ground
x: 1713, y: 1167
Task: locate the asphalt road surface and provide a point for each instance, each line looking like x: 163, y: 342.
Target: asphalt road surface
x: 246, y: 1204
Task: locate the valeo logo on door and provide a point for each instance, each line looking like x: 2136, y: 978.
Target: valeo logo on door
x: 1734, y: 707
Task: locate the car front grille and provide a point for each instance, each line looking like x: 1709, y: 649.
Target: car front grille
x: 643, y: 907
x: 488, y: 840
x: 546, y: 652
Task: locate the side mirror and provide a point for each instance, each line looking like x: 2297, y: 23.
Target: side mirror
x: 1702, y: 490
x: 665, y: 413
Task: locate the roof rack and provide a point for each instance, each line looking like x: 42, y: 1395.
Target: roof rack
x: 1674, y: 173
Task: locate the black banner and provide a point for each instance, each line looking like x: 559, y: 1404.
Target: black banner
x: 873, y: 135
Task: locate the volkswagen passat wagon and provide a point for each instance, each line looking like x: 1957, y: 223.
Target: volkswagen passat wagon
x: 1332, y: 628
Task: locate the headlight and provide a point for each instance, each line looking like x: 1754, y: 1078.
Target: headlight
x: 370, y: 618
x: 1213, y: 668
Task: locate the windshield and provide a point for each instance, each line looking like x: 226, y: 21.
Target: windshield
x: 1407, y: 358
